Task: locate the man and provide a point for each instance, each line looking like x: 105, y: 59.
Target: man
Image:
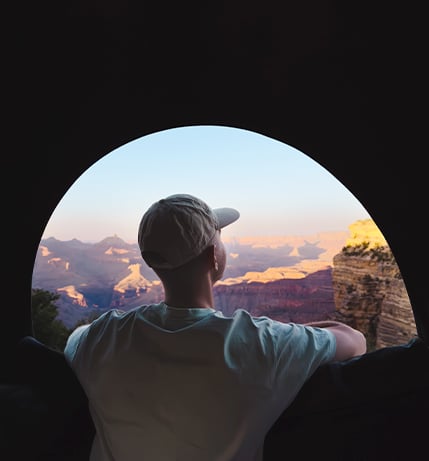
x: 178, y: 380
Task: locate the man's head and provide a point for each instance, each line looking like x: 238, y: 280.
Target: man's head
x: 177, y: 229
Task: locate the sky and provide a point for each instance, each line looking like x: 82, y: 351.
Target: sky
x: 279, y: 190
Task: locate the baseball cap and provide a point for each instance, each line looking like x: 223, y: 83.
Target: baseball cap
x: 178, y: 228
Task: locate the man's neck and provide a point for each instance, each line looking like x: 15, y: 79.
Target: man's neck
x: 190, y: 295
x: 187, y: 302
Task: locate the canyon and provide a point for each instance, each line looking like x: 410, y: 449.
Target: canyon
x: 348, y: 276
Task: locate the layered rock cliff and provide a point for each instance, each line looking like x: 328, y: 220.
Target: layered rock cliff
x: 299, y: 300
x: 369, y: 291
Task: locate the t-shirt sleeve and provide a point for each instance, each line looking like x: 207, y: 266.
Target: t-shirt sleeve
x: 300, y: 350
x: 95, y: 329
x: 73, y: 342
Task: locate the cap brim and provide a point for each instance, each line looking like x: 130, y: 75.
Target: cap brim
x: 226, y: 216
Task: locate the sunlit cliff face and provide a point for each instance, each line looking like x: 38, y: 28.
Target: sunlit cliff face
x: 72, y: 293
x: 272, y: 274
x: 134, y: 280
x: 116, y: 251
x: 365, y: 231
x: 44, y: 250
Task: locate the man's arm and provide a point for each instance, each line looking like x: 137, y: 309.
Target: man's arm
x: 350, y: 342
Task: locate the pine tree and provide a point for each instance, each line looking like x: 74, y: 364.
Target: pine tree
x: 46, y: 327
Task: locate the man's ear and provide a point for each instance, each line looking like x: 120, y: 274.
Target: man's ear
x: 215, y: 264
x: 211, y: 257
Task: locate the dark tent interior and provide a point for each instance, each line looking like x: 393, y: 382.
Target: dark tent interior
x: 342, y: 82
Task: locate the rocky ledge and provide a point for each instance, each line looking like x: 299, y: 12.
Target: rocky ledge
x: 369, y: 291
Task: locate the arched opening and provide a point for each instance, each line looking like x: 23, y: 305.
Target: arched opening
x: 293, y: 255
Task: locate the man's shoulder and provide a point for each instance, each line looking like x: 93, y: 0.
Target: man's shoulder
x: 261, y: 327
x: 109, y: 317
x: 73, y: 341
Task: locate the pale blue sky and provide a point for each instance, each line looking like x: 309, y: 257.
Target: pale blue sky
x: 278, y: 189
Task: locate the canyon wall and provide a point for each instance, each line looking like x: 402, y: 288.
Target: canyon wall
x: 369, y: 292
x: 299, y: 300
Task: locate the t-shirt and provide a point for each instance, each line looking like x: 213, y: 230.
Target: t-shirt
x: 175, y: 384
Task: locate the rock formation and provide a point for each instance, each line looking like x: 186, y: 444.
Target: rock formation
x: 299, y: 300
x: 369, y: 291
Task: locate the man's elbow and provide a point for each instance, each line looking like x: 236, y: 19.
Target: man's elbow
x: 351, y: 345
x: 361, y: 346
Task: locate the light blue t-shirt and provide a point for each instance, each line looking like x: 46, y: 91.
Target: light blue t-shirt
x: 167, y: 383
